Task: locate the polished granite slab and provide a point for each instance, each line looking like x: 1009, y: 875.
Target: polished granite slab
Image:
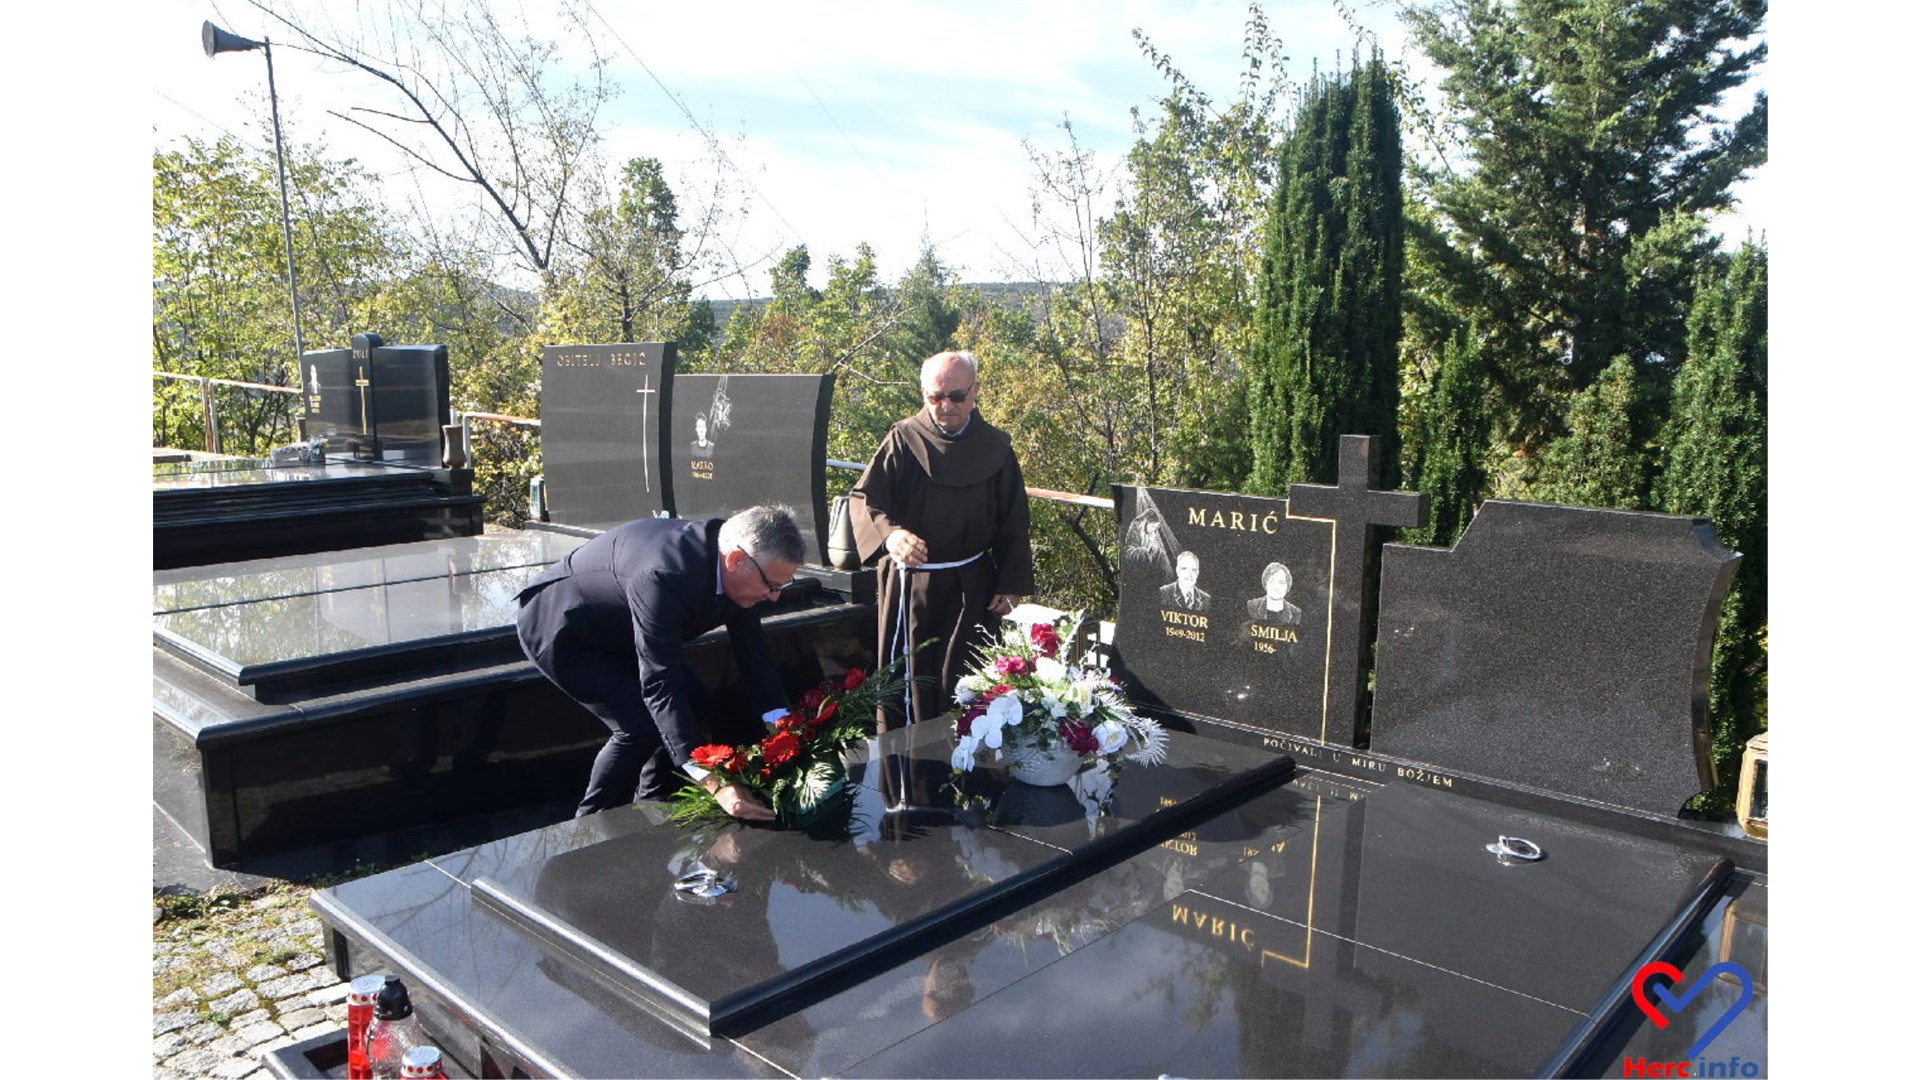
x: 209, y: 475
x: 1562, y: 929
x: 1560, y: 648
x: 832, y: 1035
x: 269, y: 646
x: 332, y: 571
x: 1374, y: 944
x: 808, y: 909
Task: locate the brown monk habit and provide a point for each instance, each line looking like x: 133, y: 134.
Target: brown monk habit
x: 963, y: 495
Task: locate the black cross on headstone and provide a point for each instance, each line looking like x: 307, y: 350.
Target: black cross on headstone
x: 1355, y: 508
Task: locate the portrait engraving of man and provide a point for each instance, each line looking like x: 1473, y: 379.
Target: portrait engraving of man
x: 1184, y: 592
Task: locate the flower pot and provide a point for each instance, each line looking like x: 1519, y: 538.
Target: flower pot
x: 1051, y: 767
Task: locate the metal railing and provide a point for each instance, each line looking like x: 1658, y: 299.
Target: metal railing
x: 210, y: 420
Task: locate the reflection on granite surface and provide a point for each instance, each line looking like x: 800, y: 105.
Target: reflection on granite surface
x: 1160, y: 997
x: 322, y: 624
x: 184, y: 475
x: 294, y: 575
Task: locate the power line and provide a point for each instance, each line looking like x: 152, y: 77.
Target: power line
x: 704, y: 133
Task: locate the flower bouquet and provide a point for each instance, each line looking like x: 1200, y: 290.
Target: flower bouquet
x: 1052, y: 722
x: 799, y: 766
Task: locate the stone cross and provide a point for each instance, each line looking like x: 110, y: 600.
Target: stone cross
x: 1355, y: 507
x: 646, y: 464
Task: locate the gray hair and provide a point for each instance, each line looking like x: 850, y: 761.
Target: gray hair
x: 938, y: 359
x: 768, y: 533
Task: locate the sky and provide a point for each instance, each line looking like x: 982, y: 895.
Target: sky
x: 896, y: 124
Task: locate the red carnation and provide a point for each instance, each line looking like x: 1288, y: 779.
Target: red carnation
x: 1012, y: 665
x: 780, y: 747
x: 854, y: 678
x: 964, y: 725
x: 1080, y: 737
x: 1046, y: 639
x: 712, y: 757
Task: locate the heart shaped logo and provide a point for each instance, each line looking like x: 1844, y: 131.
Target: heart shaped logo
x: 1678, y: 1002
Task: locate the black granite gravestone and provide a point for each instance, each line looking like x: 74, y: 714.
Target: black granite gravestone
x: 377, y: 402
x: 603, y: 444
x: 748, y: 440
x: 1559, y: 648
x: 336, y: 396
x: 1225, y: 604
x: 411, y: 403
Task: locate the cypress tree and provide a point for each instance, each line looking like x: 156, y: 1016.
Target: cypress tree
x: 1602, y: 459
x: 1451, y: 435
x: 1716, y: 468
x: 1325, y: 356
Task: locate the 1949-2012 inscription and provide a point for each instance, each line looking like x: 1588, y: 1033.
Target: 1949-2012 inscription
x: 1234, y: 583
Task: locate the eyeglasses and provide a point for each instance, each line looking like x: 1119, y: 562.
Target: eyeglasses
x: 956, y: 396
x: 771, y: 587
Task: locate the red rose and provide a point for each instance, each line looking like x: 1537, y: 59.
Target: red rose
x: 712, y: 757
x: 811, y: 700
x: 1012, y: 665
x: 780, y: 747
x: 854, y: 678
x: 1080, y: 738
x: 1046, y: 639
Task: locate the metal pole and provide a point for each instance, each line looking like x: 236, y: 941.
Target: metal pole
x: 286, y: 218
x: 206, y: 417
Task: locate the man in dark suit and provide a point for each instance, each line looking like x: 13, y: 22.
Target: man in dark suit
x: 609, y: 624
x: 1184, y: 593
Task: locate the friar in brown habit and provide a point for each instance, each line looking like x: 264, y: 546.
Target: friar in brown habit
x: 943, y: 509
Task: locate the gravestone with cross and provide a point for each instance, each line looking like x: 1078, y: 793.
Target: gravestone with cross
x: 377, y: 402
x: 1356, y: 511
x: 1251, y: 610
x: 603, y: 444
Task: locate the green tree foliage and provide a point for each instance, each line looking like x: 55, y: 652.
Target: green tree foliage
x: 1325, y: 358
x: 625, y: 279
x: 1602, y: 460
x: 1447, y: 448
x: 1595, y: 152
x: 1716, y: 458
x: 220, y: 300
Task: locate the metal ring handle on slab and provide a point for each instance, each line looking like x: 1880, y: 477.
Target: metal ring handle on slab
x: 1512, y: 849
x: 702, y: 886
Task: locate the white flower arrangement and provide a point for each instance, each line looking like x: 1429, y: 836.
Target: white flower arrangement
x: 1022, y: 696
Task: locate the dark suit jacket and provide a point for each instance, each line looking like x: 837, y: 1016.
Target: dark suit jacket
x: 1170, y: 598
x: 623, y: 606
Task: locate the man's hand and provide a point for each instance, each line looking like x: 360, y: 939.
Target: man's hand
x: 741, y: 803
x: 906, y: 547
x: 1004, y: 603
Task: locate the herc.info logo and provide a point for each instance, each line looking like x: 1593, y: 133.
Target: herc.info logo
x: 1697, y: 1065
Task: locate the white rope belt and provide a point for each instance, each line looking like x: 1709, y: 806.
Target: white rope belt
x: 896, y: 644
